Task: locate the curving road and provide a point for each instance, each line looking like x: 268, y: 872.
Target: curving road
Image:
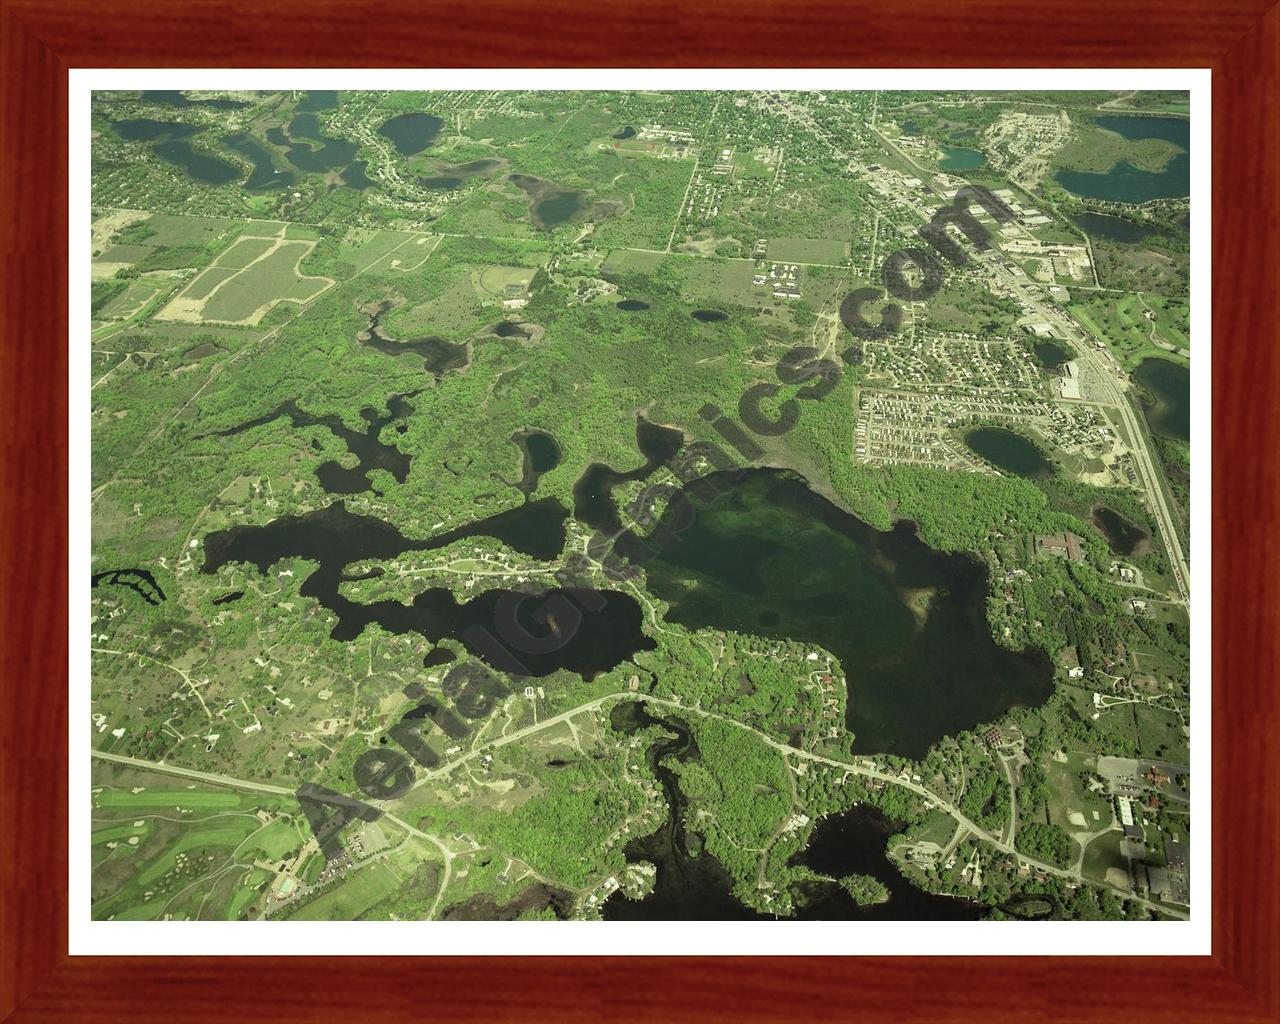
x: 862, y: 768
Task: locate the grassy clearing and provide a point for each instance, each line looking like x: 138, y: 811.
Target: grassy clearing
x: 131, y: 300
x: 1098, y: 150
x: 204, y: 284
x: 623, y: 261
x: 364, y: 248
x: 275, y: 842
x: 351, y: 898
x: 808, y: 250
x: 246, y: 891
x: 244, y: 251
x: 716, y: 282
x: 938, y: 828
x: 172, y: 231
x: 223, y: 833
x: 125, y: 253
x: 301, y: 233
x: 1160, y: 734
x: 1103, y: 854
x: 273, y: 279
x: 1067, y: 796
x: 495, y: 280
x: 264, y: 229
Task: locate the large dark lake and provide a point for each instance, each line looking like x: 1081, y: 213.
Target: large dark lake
x: 550, y: 205
x: 765, y: 555
x: 960, y: 159
x: 320, y: 152
x: 1051, y: 354
x: 1009, y: 451
x: 202, y: 166
x: 1169, y: 385
x: 1115, y: 229
x: 411, y: 133
x: 169, y: 142
x: 176, y: 99
x: 1125, y: 183
x: 541, y: 454
x: 265, y: 175
x: 522, y: 633
x: 316, y: 100
x: 853, y: 843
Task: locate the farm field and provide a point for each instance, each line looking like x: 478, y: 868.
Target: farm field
x: 246, y: 282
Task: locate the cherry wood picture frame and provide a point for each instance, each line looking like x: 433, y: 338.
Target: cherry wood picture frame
x: 41, y: 39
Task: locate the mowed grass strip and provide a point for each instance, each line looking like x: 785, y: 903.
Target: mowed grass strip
x: 188, y: 799
x: 271, y: 280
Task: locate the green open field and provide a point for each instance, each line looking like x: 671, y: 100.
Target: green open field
x: 243, y: 251
x: 1102, y: 854
x: 351, y: 897
x: 271, y: 280
x: 184, y: 232
x: 625, y: 260
x: 207, y: 281
x: 938, y: 828
x: 1068, y: 795
x: 493, y: 281
x: 1098, y: 150
x: 264, y: 229
x: 181, y: 850
x: 125, y: 253
x: 301, y: 233
x: 362, y: 248
x: 808, y: 250
x: 132, y: 299
x: 1160, y: 734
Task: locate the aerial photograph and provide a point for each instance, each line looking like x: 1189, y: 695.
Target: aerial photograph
x: 640, y: 506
